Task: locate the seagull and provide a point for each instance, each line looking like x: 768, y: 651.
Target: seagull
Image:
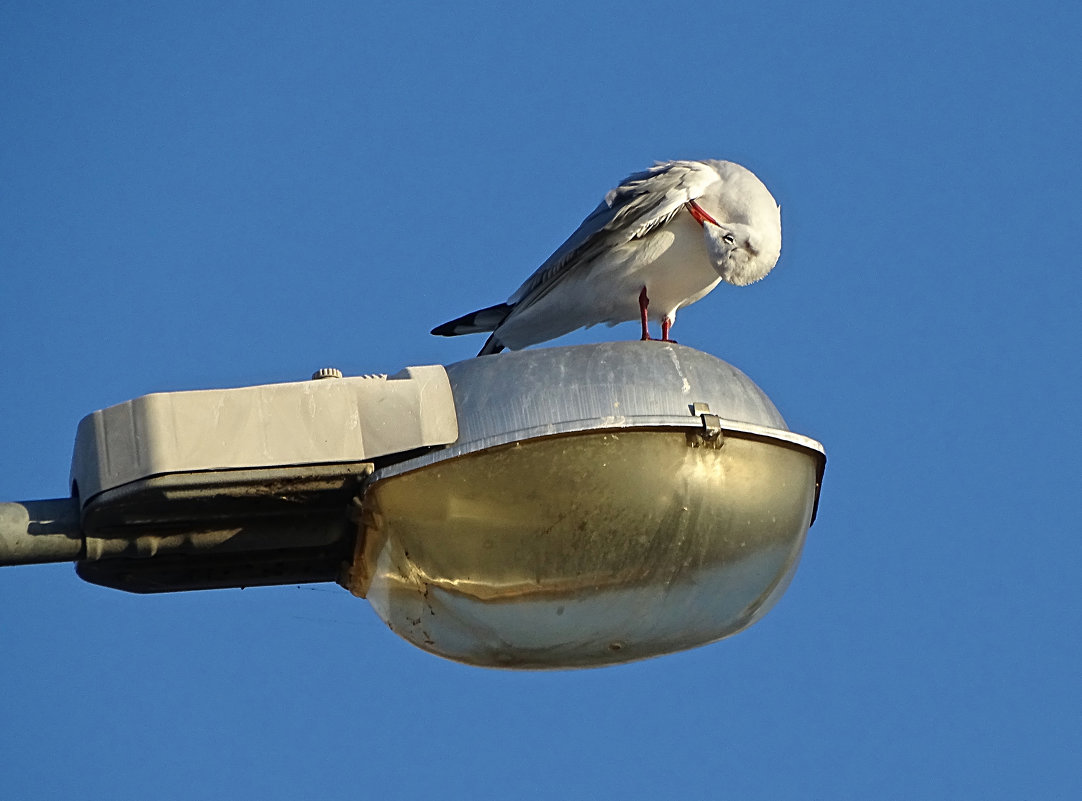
x: 659, y: 241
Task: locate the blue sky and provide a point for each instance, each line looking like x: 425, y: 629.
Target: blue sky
x: 195, y: 196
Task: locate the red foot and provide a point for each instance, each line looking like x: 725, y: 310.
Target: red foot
x: 666, y: 326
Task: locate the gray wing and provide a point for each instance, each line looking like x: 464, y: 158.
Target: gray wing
x: 643, y: 202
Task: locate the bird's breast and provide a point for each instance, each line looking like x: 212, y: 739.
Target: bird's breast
x: 672, y: 263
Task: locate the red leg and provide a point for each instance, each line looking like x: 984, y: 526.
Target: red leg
x: 666, y: 326
x: 644, y: 304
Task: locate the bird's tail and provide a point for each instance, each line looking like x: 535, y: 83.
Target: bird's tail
x: 478, y: 322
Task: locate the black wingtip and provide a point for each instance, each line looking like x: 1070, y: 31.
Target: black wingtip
x: 445, y: 330
x: 479, y: 322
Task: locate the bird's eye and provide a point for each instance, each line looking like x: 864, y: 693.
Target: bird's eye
x: 730, y: 239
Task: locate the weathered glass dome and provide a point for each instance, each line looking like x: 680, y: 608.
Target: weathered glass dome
x: 602, y: 503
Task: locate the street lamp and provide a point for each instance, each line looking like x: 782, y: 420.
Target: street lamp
x: 558, y: 507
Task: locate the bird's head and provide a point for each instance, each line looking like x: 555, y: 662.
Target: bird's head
x: 743, y: 231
